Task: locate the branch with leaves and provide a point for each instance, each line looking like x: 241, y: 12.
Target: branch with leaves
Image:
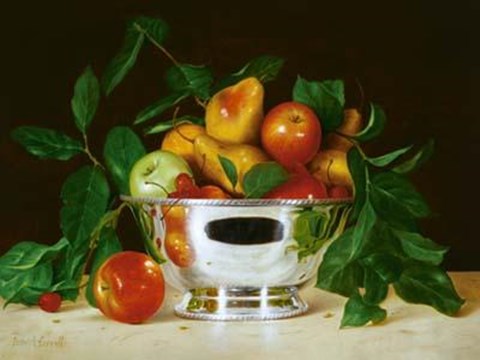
x: 381, y: 247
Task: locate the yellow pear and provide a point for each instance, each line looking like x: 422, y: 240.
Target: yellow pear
x: 179, y: 140
x: 352, y: 124
x: 234, y: 115
x: 243, y: 156
x: 331, y: 167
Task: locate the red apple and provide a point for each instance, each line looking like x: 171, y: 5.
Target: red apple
x: 129, y: 287
x: 291, y: 133
x: 301, y: 185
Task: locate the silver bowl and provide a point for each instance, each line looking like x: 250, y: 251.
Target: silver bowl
x: 247, y: 258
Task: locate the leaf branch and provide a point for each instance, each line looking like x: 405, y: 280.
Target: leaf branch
x: 167, y: 54
x: 89, y: 153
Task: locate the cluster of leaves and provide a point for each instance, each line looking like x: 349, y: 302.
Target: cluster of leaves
x: 87, y: 217
x: 184, y: 81
x: 383, y: 245
x: 90, y: 210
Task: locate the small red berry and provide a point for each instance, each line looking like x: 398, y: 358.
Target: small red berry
x: 50, y: 301
x: 338, y: 192
x: 184, y: 182
x: 175, y: 195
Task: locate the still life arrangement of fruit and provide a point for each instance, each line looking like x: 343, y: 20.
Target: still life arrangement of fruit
x: 308, y: 147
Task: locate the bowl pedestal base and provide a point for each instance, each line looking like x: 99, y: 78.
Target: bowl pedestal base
x: 241, y: 303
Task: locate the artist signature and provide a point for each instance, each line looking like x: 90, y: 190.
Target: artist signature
x: 39, y: 341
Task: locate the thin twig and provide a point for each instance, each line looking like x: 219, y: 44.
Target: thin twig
x: 89, y: 153
x: 169, y: 56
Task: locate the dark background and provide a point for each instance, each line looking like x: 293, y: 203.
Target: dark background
x: 417, y: 59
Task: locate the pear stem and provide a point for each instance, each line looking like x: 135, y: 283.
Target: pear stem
x: 176, y: 124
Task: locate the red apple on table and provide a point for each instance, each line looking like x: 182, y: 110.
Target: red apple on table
x: 291, y: 133
x: 129, y: 287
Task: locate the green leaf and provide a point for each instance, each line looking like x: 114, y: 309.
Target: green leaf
x: 382, y: 240
x: 359, y: 313
x: 326, y: 98
x: 417, y: 160
x: 26, y: 271
x: 47, y: 143
x: 387, y: 266
x: 262, y: 178
x: 107, y: 246
x: 429, y: 285
x: 421, y: 248
x: 194, y: 79
x: 394, y: 195
x: 375, y: 125
x: 359, y: 171
x: 387, y: 159
x: 170, y: 124
x: 366, y: 221
x: 158, y: 107
x: 156, y: 29
x: 70, y: 267
x: 265, y: 68
x: 85, y: 99
x: 68, y: 289
x: 339, y: 272
x: 122, y: 149
x: 26, y: 255
x: 376, y: 289
x: 20, y: 288
x: 85, y: 196
x: 230, y: 170
x: 124, y: 61
x: 25, y: 295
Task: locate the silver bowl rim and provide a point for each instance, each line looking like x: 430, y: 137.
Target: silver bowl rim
x: 235, y: 202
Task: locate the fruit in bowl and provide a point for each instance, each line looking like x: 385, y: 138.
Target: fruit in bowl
x: 253, y: 231
x: 232, y: 194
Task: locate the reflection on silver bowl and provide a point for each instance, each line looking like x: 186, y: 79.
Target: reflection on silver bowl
x: 248, y: 258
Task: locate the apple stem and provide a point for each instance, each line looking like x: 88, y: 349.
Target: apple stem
x: 296, y: 119
x: 157, y: 184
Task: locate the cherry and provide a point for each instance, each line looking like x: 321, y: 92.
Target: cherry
x: 338, y: 192
x: 186, y: 188
x: 184, y: 182
x: 50, y: 301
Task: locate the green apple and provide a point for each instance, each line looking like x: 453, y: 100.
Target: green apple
x: 154, y: 174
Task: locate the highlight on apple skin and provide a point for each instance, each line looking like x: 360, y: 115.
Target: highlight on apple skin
x: 154, y: 174
x: 291, y: 133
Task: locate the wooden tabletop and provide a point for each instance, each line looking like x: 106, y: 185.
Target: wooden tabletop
x: 410, y: 332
